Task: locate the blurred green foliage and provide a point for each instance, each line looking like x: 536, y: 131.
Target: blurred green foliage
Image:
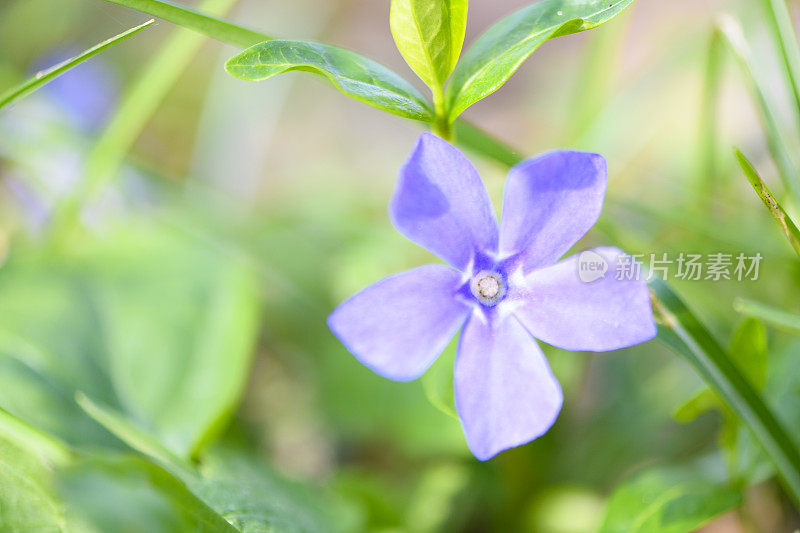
x: 164, y: 360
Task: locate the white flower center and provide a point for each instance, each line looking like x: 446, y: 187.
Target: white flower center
x: 488, y: 287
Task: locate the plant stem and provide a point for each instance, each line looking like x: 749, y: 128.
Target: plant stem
x: 441, y: 122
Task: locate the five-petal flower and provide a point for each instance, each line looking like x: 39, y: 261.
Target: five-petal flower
x: 503, y: 289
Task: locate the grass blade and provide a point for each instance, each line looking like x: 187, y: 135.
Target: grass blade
x: 775, y: 209
x: 138, y: 105
x: 778, y: 147
x: 206, y: 24
x: 783, y: 30
x: 781, y: 319
x: 45, y: 76
x: 708, y: 176
x: 682, y: 331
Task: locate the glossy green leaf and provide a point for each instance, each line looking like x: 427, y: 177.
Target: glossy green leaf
x: 467, y: 135
x: 27, y: 499
x: 353, y: 74
x: 681, y: 330
x: 429, y: 35
x: 499, y: 52
x: 45, y: 76
x: 667, y: 501
x: 195, y: 20
x: 775, y: 209
x: 781, y: 319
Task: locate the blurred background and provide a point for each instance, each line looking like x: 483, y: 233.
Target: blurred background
x: 185, y: 289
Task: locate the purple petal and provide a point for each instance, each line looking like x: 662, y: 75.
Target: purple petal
x: 506, y: 394
x: 605, y: 314
x: 400, y: 325
x: 441, y: 203
x: 550, y: 203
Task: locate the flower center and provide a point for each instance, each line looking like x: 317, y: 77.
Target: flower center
x: 488, y: 287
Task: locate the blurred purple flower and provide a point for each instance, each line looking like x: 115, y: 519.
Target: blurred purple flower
x: 86, y: 93
x: 506, y: 288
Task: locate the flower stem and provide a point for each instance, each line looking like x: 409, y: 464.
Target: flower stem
x: 441, y: 122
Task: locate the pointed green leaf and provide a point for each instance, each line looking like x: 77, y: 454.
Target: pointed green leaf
x: 776, y: 210
x: 41, y: 78
x: 353, y: 74
x: 499, y: 52
x: 702, y: 402
x: 429, y: 35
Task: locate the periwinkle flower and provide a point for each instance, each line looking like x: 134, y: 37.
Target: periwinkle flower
x: 504, y: 289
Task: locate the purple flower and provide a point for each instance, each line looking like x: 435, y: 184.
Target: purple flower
x: 505, y: 289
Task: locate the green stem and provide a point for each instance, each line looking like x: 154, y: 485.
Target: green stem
x: 441, y: 123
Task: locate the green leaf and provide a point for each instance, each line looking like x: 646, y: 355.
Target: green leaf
x: 195, y: 20
x: 705, y: 400
x: 246, y: 493
x: 499, y: 52
x: 255, y: 499
x: 429, y: 35
x: 181, y: 322
x: 667, y: 501
x: 681, y: 330
x: 151, y: 323
x: 467, y: 134
x: 129, y: 494
x: 27, y: 499
x: 45, y: 76
x: 437, y: 382
x: 776, y: 210
x: 749, y: 351
x: 781, y: 319
x: 353, y: 74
